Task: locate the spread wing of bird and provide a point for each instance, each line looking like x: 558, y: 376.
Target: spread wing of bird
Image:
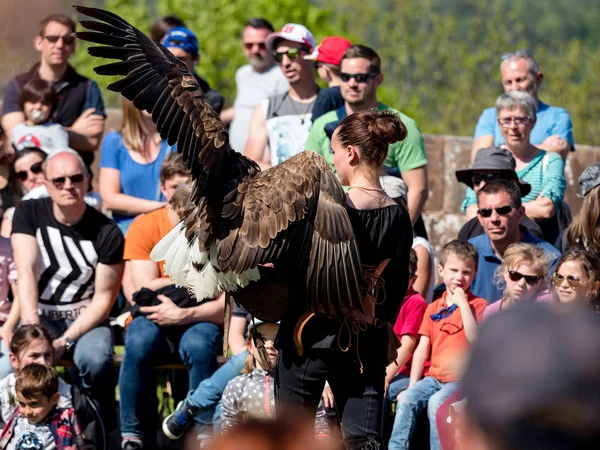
x: 237, y: 217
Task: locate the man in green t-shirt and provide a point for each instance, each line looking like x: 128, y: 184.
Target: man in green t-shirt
x: 361, y: 76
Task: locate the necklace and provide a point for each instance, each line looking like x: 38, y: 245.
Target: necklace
x: 380, y: 200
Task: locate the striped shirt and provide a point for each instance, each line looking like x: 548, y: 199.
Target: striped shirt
x: 546, y: 175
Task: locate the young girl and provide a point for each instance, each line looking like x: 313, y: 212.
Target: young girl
x: 577, y: 278
x: 30, y: 344
x: 38, y: 101
x: 523, y: 274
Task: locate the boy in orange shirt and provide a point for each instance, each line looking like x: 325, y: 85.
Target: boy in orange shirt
x: 449, y: 325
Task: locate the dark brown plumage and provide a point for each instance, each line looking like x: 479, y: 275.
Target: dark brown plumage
x: 238, y: 217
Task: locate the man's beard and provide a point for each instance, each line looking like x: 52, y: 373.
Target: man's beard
x: 256, y: 60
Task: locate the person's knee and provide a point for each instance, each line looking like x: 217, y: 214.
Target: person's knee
x: 96, y: 363
x: 199, y: 345
x: 140, y: 338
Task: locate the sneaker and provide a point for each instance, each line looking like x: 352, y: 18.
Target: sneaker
x: 132, y: 444
x: 175, y: 424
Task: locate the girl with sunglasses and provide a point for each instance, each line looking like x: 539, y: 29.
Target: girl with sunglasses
x: 577, y: 278
x: 523, y: 274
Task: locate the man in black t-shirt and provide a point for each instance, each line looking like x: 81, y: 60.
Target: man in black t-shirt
x: 69, y: 261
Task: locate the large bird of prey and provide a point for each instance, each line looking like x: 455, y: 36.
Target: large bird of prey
x: 238, y: 218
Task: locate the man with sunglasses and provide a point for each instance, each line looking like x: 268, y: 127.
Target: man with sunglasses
x: 69, y: 260
x: 553, y: 130
x: 492, y: 163
x: 80, y: 108
x: 280, y: 123
x: 500, y: 212
x: 255, y: 81
x: 361, y: 77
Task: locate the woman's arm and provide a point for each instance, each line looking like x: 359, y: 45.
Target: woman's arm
x: 423, y: 281
x: 114, y: 199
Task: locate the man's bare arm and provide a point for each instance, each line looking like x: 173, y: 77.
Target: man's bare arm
x: 26, y: 255
x: 259, y: 138
x: 417, y: 184
x: 8, y: 122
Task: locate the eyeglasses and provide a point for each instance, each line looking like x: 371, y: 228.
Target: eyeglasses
x: 573, y: 281
x: 53, y: 39
x: 292, y: 53
x: 529, y: 279
x: 250, y: 45
x: 507, y: 121
x: 487, y: 177
x: 523, y: 53
x: 35, y: 169
x: 59, y: 182
x: 501, y: 210
x: 359, y: 77
x: 443, y: 313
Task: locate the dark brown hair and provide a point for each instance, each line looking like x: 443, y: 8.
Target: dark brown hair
x: 465, y: 251
x: 40, y: 90
x: 590, y: 265
x: 413, y: 261
x: 173, y: 165
x: 163, y: 24
x: 499, y: 185
x: 362, y: 51
x: 372, y: 133
x: 36, y: 379
x: 584, y: 230
x: 63, y: 19
x: 25, y: 335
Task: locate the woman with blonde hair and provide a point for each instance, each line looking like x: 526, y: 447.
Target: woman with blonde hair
x: 130, y: 167
x: 523, y: 273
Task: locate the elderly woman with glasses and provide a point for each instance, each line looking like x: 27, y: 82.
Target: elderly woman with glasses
x: 516, y: 113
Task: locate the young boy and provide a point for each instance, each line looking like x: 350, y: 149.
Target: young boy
x: 38, y: 423
x: 407, y: 329
x: 449, y: 324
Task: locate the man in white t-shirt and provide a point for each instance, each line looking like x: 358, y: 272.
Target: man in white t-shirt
x: 255, y: 81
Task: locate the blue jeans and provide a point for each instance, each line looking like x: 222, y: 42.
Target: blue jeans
x: 429, y: 393
x: 93, y: 356
x: 207, y: 396
x: 398, y: 384
x: 145, y: 346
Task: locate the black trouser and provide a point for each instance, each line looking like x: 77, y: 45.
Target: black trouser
x: 359, y: 397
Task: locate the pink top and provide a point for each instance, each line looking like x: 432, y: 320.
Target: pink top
x: 544, y: 297
x: 409, y: 320
x: 8, y: 276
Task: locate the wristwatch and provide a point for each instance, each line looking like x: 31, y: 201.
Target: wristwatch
x: 69, y: 343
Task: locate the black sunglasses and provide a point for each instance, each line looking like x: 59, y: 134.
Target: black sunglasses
x: 67, y: 40
x: 292, y: 53
x: 250, y: 45
x: 23, y: 174
x: 502, y: 210
x: 487, y: 177
x: 359, y: 77
x: 58, y: 182
x: 529, y: 279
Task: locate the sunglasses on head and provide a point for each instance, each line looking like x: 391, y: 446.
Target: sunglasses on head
x: 292, y: 53
x: 502, y: 210
x: 487, y: 177
x: 529, y: 279
x: 23, y: 174
x: 443, y: 313
x: 359, y: 77
x: 250, y: 45
x: 59, y: 182
x: 573, y: 281
x: 67, y: 40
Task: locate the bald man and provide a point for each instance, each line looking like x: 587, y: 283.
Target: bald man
x: 69, y: 261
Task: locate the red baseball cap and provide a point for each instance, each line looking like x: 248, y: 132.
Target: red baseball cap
x: 331, y: 50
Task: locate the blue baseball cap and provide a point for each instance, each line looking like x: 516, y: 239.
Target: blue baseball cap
x: 183, y: 38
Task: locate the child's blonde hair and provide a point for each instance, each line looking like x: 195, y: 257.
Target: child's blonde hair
x: 519, y: 253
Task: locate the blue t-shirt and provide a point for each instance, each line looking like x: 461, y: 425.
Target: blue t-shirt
x: 137, y: 180
x: 484, y: 285
x: 550, y: 121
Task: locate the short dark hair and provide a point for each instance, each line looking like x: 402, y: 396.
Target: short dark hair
x: 173, y: 165
x: 163, y: 24
x: 63, y: 19
x: 259, y: 23
x: 35, y: 379
x: 40, y: 90
x: 465, y: 251
x: 413, y: 261
x: 362, y: 51
x: 25, y: 335
x: 499, y: 185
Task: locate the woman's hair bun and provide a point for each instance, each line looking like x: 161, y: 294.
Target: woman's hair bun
x: 385, y: 128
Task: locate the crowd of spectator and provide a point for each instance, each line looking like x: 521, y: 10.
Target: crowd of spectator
x: 70, y: 258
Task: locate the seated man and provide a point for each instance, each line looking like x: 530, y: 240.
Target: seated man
x: 492, y: 163
x: 69, y: 261
x: 500, y: 213
x: 165, y: 330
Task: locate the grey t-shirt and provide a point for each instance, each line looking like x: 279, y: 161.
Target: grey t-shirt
x: 252, y: 87
x: 30, y: 436
x: 48, y: 137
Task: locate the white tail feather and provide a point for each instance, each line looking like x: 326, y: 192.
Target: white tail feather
x: 179, y: 255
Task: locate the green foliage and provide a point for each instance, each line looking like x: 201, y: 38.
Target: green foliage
x: 440, y: 57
